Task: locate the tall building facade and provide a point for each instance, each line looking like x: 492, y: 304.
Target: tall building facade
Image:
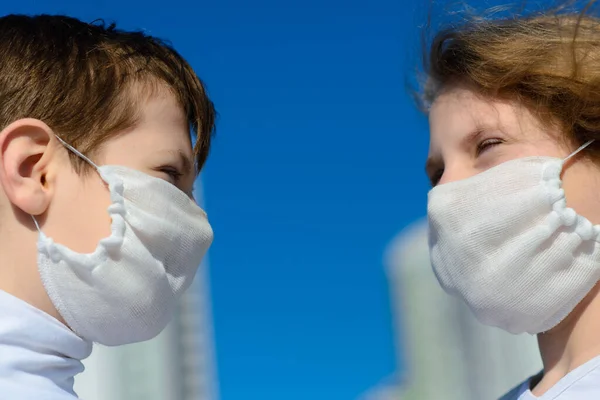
x: 179, y: 364
x: 445, y: 352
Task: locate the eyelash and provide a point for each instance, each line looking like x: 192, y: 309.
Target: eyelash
x: 486, y: 145
x: 481, y: 148
x: 172, y: 172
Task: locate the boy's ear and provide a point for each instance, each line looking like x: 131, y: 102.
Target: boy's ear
x: 25, y: 152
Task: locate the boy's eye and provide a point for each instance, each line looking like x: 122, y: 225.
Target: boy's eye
x: 172, y: 172
x: 174, y: 176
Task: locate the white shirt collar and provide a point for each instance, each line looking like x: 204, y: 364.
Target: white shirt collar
x: 39, y: 356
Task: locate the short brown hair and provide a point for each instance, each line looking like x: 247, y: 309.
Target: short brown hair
x: 548, y: 61
x: 86, y: 80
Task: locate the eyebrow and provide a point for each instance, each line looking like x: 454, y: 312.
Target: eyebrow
x: 472, y: 137
x: 186, y: 162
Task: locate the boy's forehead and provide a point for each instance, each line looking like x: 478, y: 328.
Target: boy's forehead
x: 161, y: 129
x: 161, y: 100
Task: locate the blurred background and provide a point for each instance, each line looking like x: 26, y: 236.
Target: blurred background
x: 318, y: 285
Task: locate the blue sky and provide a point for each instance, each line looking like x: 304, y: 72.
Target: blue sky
x: 317, y: 164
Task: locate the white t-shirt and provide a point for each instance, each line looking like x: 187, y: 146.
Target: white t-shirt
x: 39, y: 356
x: 583, y: 383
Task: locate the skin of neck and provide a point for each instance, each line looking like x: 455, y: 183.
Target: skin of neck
x: 572, y: 343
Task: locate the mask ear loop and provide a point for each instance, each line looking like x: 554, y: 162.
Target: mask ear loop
x: 80, y: 155
x: 583, y: 146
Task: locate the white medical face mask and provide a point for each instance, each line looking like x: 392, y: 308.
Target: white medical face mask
x: 127, y: 289
x: 507, y: 244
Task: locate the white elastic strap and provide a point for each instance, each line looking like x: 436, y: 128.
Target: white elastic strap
x: 74, y: 150
x: 36, y: 224
x: 583, y: 146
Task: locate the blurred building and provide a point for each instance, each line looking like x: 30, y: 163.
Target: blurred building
x: 389, y: 389
x: 176, y: 365
x: 445, y: 352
